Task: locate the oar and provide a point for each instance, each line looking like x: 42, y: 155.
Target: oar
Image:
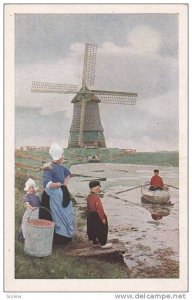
x: 172, y: 186
x: 136, y: 187
x: 128, y: 202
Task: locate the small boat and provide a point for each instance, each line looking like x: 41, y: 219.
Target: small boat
x: 155, y: 197
x: 93, y: 159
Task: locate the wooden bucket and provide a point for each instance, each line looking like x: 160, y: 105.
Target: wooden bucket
x: 39, y: 237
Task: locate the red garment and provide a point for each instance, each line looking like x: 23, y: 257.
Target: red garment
x: 156, y: 180
x: 94, y: 204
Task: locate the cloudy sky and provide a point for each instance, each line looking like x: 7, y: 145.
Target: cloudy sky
x: 136, y: 53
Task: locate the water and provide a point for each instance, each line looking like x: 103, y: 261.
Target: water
x: 148, y: 242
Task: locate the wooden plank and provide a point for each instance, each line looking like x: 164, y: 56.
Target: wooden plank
x: 87, y: 250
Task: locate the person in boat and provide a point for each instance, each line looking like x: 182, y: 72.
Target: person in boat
x: 97, y: 224
x: 31, y: 202
x: 56, y: 197
x: 156, y: 182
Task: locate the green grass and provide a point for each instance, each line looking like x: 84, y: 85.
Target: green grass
x: 169, y: 159
x: 166, y: 158
x: 60, y: 266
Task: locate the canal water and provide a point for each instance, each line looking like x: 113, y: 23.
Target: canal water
x: 148, y: 242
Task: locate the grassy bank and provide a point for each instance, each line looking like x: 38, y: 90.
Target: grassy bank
x: 60, y: 266
x: 168, y: 159
x: 115, y: 155
x: 111, y: 155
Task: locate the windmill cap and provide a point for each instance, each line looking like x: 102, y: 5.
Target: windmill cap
x: 30, y: 183
x: 94, y: 183
x: 56, y: 151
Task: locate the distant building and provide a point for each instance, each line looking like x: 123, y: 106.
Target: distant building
x: 130, y: 150
x: 44, y: 148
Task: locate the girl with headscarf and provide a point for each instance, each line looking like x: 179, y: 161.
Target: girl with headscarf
x: 57, y: 197
x: 31, y: 202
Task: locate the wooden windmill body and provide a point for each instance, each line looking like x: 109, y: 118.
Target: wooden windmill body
x: 86, y: 129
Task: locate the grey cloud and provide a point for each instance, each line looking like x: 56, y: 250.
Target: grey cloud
x: 30, y: 124
x: 48, y: 37
x: 148, y: 76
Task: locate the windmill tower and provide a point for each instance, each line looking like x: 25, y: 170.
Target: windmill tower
x: 86, y: 129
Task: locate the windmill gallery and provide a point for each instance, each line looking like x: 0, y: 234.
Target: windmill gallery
x: 86, y: 129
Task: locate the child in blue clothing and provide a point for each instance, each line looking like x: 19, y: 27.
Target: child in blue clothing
x: 31, y: 202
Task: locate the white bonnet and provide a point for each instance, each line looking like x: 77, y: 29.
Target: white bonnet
x: 29, y: 183
x: 56, y: 151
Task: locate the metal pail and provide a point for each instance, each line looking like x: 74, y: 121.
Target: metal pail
x: 39, y: 237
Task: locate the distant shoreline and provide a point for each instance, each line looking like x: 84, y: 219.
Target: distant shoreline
x: 36, y: 157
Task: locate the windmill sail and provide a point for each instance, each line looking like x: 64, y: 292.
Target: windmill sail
x: 89, y: 65
x: 45, y: 87
x: 112, y: 97
x: 86, y: 129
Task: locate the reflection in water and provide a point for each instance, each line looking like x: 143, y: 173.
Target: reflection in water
x: 157, y: 211
x: 159, y: 214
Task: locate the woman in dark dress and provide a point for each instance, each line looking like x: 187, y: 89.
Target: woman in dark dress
x: 56, y: 197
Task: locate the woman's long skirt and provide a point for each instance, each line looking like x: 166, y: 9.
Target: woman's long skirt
x: 62, y: 216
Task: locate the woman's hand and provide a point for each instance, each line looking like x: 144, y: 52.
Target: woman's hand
x: 59, y: 184
x: 66, y: 181
x: 54, y: 185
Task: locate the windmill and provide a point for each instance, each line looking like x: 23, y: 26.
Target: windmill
x: 86, y: 129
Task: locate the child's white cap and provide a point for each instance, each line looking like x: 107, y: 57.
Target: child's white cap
x: 29, y: 183
x: 56, y: 151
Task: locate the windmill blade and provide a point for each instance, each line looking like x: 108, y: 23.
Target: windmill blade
x: 45, y: 87
x: 112, y: 97
x: 89, y: 65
